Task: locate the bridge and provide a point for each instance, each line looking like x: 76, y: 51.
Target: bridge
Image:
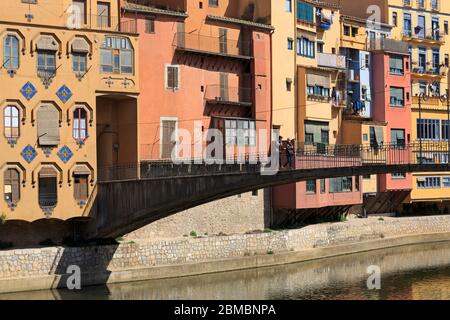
x: 130, y: 197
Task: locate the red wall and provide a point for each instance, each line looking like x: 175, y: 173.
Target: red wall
x: 396, y: 118
x: 196, y: 73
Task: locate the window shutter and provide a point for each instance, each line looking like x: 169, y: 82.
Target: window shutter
x: 175, y: 77
x: 150, y: 25
x: 170, y: 83
x: 48, y: 125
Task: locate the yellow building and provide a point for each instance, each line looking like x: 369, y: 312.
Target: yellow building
x: 68, y: 103
x: 424, y: 25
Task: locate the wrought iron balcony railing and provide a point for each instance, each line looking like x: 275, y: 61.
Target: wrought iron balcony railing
x: 229, y: 95
x: 212, y: 45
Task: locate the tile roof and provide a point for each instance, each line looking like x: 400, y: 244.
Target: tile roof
x: 146, y: 9
x: 241, y: 22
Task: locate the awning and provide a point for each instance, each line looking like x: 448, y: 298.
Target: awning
x: 47, y: 43
x: 318, y: 80
x: 379, y: 135
x: 81, y: 170
x: 48, y: 172
x: 48, y: 125
x: 80, y: 45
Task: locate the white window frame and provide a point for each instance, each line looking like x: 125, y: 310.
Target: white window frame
x: 166, y: 79
x: 161, y: 119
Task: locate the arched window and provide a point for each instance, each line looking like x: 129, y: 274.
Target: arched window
x: 48, y: 195
x: 80, y: 124
x: 11, y: 122
x: 11, y: 181
x: 11, y: 52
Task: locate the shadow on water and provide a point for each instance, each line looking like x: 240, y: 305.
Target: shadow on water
x: 412, y: 272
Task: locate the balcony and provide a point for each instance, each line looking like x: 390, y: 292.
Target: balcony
x: 101, y: 22
x: 333, y: 61
x: 429, y: 71
x: 388, y: 45
x: 431, y: 104
x: 217, y: 46
x: 430, y: 36
x: 224, y: 95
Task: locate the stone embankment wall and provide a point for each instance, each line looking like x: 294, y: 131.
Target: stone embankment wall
x: 100, y: 263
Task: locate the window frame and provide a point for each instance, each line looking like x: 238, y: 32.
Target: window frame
x: 77, y: 128
x: 11, y: 118
x: 10, y: 65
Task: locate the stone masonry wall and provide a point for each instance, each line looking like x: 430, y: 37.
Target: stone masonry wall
x: 55, y: 260
x: 237, y: 214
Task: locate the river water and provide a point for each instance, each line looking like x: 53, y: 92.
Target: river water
x: 411, y: 272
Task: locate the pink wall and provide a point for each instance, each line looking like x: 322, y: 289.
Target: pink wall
x: 396, y: 118
x: 196, y: 73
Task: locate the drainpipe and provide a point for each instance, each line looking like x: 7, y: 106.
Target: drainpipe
x: 296, y: 125
x: 271, y: 90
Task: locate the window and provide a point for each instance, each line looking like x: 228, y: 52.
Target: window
x: 288, y: 5
x: 398, y: 138
x: 322, y: 186
x: 357, y: 183
x: 397, y: 97
x: 347, y: 31
x: 446, y: 27
x: 445, y: 129
x: 116, y: 55
x: 407, y: 24
x: 428, y: 129
x: 320, y: 47
x: 213, y: 3
x: 446, y: 182
x: 305, y: 47
x: 339, y: 185
x: 354, y: 32
x: 79, y: 63
x: 446, y: 60
x: 103, y: 15
x: 11, y: 52
x: 305, y: 12
x: 149, y: 25
x: 11, y: 122
x: 48, y: 196
x: 398, y: 175
x: 80, y: 187
x: 429, y: 183
x: 48, y: 126
x: 290, y: 44
x: 80, y: 124
x: 318, y: 91
x: 396, y: 65
x: 11, y: 186
x: 46, y: 63
x: 80, y: 10
x: 311, y: 186
x: 172, y: 77
x: 240, y: 132
x: 394, y: 19
x: 436, y: 61
x: 376, y: 137
x: 366, y: 61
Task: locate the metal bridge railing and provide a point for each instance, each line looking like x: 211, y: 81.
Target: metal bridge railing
x: 306, y: 157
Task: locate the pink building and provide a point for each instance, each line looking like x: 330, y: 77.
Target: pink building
x: 392, y: 104
x: 208, y: 69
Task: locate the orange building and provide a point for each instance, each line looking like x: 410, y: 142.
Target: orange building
x: 203, y: 67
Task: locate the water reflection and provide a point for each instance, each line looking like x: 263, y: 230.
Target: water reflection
x: 413, y: 272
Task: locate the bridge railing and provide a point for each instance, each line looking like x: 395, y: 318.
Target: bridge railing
x: 307, y: 156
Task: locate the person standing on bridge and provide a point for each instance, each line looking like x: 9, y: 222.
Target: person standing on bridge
x: 290, y: 153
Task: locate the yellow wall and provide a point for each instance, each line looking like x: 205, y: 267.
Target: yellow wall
x: 283, y: 67
x: 49, y: 17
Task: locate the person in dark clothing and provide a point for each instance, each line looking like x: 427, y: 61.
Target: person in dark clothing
x: 280, y: 149
x: 290, y: 153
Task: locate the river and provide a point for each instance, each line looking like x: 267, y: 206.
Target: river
x: 407, y: 273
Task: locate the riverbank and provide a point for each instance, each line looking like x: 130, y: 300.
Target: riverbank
x: 45, y: 268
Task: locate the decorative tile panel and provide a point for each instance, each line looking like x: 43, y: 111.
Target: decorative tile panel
x: 64, y: 94
x: 29, y: 153
x: 28, y: 91
x: 65, y: 154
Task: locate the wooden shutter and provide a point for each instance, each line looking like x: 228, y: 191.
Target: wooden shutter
x: 172, y: 77
x: 150, y: 25
x: 181, y: 35
x: 168, y: 128
x: 48, y: 125
x: 81, y: 187
x: 12, y: 184
x: 224, y: 90
x: 223, y: 35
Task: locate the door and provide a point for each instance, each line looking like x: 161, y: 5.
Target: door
x: 435, y: 29
x: 168, y: 138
